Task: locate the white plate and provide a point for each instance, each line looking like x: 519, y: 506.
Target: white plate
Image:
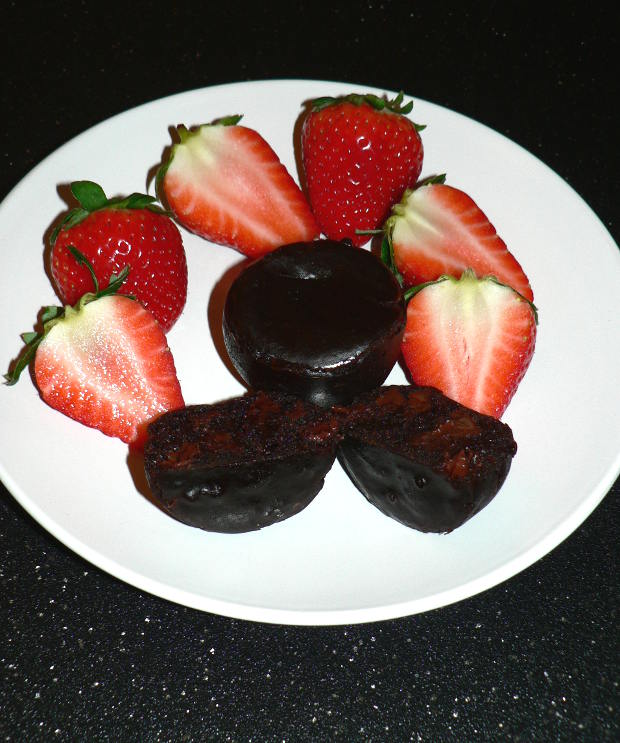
x: 340, y: 560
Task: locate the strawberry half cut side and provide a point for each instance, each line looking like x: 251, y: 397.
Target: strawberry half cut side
x: 224, y: 182
x: 104, y: 362
x: 471, y: 338
x: 438, y: 230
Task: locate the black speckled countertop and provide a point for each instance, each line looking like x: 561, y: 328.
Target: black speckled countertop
x: 86, y: 657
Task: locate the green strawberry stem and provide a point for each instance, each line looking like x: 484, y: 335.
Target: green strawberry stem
x: 31, y: 340
x: 468, y: 275
x: 91, y: 198
x: 430, y: 180
x: 379, y: 104
x: 114, y: 284
x: 53, y: 314
x: 387, y: 256
x: 184, y: 133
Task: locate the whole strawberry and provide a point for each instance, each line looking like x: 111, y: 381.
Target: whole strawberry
x: 112, y: 233
x: 359, y: 154
x: 104, y: 362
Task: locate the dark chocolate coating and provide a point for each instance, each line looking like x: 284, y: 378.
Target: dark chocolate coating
x: 321, y: 320
x: 241, y: 464
x: 422, y: 458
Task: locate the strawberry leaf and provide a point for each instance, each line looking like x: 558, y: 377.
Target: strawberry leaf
x: 228, y: 120
x: 318, y: 104
x: 387, y: 256
x: 431, y: 180
x: 51, y: 313
x: 159, y: 178
x: 115, y: 284
x: 31, y: 340
x: 379, y: 104
x: 83, y: 261
x: 25, y: 358
x: 91, y: 198
x: 137, y: 201
x: 89, y: 195
x: 73, y: 217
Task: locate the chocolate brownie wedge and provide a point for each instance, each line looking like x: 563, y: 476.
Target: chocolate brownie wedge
x: 241, y: 464
x: 422, y: 458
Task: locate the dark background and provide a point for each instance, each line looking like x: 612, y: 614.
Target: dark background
x: 85, y: 657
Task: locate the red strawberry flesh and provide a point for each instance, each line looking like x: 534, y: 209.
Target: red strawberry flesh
x: 438, y: 229
x: 108, y: 366
x: 225, y: 183
x: 472, y: 339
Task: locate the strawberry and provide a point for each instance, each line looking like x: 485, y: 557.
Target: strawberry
x: 359, y: 154
x: 437, y: 229
x: 471, y: 338
x: 112, y: 233
x: 103, y: 362
x: 225, y: 183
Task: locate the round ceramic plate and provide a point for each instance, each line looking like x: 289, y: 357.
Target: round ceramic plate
x: 340, y: 560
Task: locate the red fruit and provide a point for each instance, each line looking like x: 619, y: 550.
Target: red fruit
x: 437, y: 229
x: 104, y: 362
x: 471, y: 338
x: 113, y: 233
x: 359, y: 155
x: 225, y: 183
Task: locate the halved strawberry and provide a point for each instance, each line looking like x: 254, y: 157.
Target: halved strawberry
x: 471, y: 338
x: 104, y: 362
x: 225, y: 183
x: 438, y: 229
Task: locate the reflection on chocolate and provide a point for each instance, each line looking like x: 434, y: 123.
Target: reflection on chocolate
x: 322, y: 320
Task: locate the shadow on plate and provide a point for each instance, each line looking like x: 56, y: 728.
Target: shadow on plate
x: 215, y: 313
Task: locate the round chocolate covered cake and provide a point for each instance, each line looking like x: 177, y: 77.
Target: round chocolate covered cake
x: 322, y: 320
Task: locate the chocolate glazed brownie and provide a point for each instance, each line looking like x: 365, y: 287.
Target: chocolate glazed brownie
x: 422, y: 458
x: 251, y: 461
x: 241, y: 464
x: 322, y: 320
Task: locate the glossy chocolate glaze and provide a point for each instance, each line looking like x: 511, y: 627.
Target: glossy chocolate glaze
x: 241, y: 464
x: 322, y: 320
x: 422, y: 458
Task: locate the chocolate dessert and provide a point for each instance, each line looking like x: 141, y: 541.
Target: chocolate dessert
x: 240, y: 464
x: 422, y: 458
x: 322, y: 320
